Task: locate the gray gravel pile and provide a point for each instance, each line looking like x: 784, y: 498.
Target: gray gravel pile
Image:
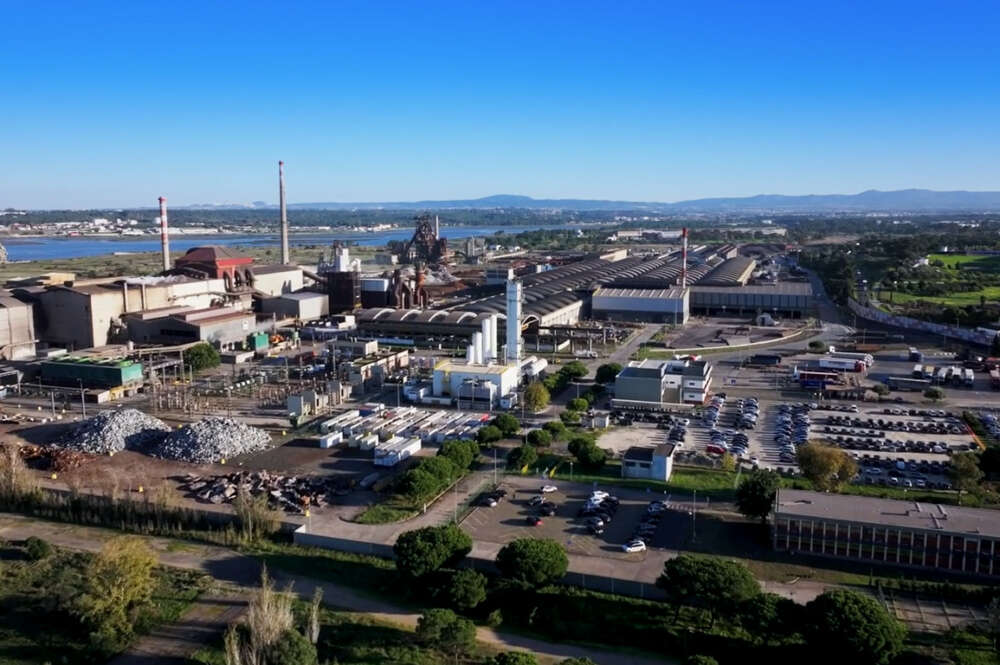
x: 211, y: 440
x: 114, y: 431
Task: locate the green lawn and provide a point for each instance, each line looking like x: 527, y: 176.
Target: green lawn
x: 37, y: 622
x: 959, y: 298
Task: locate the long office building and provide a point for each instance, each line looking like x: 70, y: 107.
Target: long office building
x: 886, y: 531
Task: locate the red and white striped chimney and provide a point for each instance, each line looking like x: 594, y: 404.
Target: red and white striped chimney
x: 684, y: 257
x: 164, y: 233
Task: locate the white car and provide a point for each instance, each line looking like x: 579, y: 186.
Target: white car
x: 597, y: 494
x: 634, y: 546
x: 754, y: 460
x: 548, y: 489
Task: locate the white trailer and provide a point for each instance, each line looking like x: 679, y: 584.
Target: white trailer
x: 330, y: 440
x: 867, y: 358
x: 841, y: 364
x: 338, y: 421
x: 396, y: 451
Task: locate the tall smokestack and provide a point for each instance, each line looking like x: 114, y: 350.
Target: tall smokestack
x: 285, y: 260
x: 164, y: 233
x: 684, y: 257
x: 513, y: 321
x: 437, y: 228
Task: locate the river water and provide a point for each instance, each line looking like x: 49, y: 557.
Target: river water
x: 34, y: 249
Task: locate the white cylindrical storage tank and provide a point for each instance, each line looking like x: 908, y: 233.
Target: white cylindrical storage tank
x: 477, y: 346
x: 494, y: 341
x: 487, y: 346
x: 470, y: 354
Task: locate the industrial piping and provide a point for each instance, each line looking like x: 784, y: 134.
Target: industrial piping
x: 164, y: 233
x: 285, y: 259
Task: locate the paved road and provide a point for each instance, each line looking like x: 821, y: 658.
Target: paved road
x: 231, y: 567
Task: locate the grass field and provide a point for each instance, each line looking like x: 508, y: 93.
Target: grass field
x: 968, y: 261
x: 37, y: 624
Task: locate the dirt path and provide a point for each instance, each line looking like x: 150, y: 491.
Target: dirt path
x: 169, y: 645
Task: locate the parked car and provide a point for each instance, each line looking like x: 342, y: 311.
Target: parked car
x: 548, y: 489
x: 634, y: 546
x: 533, y: 520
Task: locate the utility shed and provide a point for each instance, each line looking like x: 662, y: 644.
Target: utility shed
x: 91, y: 373
x: 651, y: 463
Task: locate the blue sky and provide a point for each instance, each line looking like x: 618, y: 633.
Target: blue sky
x: 108, y: 104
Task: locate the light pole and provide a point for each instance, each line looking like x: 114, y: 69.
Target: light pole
x: 83, y: 401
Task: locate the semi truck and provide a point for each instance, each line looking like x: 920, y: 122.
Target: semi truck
x: 867, y: 358
x: 995, y: 379
x: 915, y: 355
x: 842, y: 364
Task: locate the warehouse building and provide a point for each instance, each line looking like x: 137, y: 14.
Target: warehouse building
x: 731, y: 272
x: 887, y: 531
x: 649, y: 463
x: 223, y: 327
x: 789, y: 299
x: 659, y: 384
x: 417, y: 323
x: 368, y: 373
x: 669, y: 305
x: 92, y: 372
x: 301, y: 305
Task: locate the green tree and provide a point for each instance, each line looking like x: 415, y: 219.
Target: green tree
x: 934, y: 393
x: 698, y: 659
x: 119, y: 582
x: 515, y: 658
x: 827, y: 467
x: 521, y: 457
x: 507, y: 424
x: 768, y: 615
x: 591, y: 458
x: 556, y: 429
x: 577, y: 404
x: 570, y: 417
x: 423, y: 551
x: 817, y: 346
x: 577, y: 661
x: 201, y: 356
x: 37, y: 549
x: 467, y: 589
x: 292, y: 648
x: 539, y: 438
x: 607, y: 372
x: 847, y: 627
x: 880, y: 389
x: 574, y: 370
x: 717, y: 585
x: 536, y: 397
x: 965, y: 472
x: 489, y: 434
x: 445, y: 630
x: 532, y: 562
x: 461, y: 452
x: 418, y: 485
x: 442, y: 468
x: 755, y: 495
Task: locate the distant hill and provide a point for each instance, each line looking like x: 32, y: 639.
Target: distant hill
x: 873, y: 200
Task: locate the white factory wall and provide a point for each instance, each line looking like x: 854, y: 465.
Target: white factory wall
x: 565, y: 316
x: 448, y: 378
x: 277, y: 283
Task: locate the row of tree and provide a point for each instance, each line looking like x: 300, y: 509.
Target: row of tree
x: 432, y: 475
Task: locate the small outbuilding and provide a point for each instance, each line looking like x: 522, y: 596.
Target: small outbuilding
x: 649, y: 463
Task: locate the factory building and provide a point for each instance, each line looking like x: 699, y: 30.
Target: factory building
x: 789, y: 299
x: 17, y: 329
x: 217, y: 262
x: 301, y: 305
x: 888, y: 532
x: 82, y: 315
x: 463, y: 381
x: 669, y: 305
x: 370, y: 372
x: 417, y: 323
x: 277, y: 280
x: 223, y: 327
x: 654, y: 384
x: 731, y: 272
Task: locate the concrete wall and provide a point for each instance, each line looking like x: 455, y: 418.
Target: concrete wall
x: 639, y: 389
x: 276, y: 283
x: 17, y: 329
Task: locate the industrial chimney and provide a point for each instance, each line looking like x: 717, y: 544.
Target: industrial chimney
x: 684, y: 257
x: 164, y: 233
x: 285, y: 260
x: 513, y: 321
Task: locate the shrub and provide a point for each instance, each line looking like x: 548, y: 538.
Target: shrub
x: 536, y: 396
x: 424, y: 551
x: 202, y: 356
x: 555, y: 428
x: 462, y: 453
x: 467, y: 589
x: 532, y: 562
x: 489, y: 434
x: 515, y: 658
x: 292, y: 648
x: 507, y: 424
x: 521, y: 457
x: 577, y: 404
x: 37, y: 549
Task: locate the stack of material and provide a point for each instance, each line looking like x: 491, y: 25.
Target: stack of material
x: 291, y: 493
x: 113, y: 431
x: 212, y: 440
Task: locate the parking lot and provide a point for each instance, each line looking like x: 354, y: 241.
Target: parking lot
x: 509, y: 520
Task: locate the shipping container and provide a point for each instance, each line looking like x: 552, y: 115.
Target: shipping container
x: 330, y: 440
x: 765, y: 359
x: 907, y: 383
x: 867, y: 358
x: 842, y: 364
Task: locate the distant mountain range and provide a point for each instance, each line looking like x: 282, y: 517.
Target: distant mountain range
x: 903, y: 200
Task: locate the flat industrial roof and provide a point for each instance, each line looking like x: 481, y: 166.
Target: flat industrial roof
x: 778, y: 288
x: 646, y: 453
x: 674, y: 292
x: 804, y: 504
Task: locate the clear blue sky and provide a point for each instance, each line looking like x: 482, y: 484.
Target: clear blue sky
x: 109, y: 104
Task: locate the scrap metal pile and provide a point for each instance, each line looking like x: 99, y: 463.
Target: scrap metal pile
x: 53, y: 459
x: 212, y: 440
x: 113, y: 431
x: 291, y: 493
